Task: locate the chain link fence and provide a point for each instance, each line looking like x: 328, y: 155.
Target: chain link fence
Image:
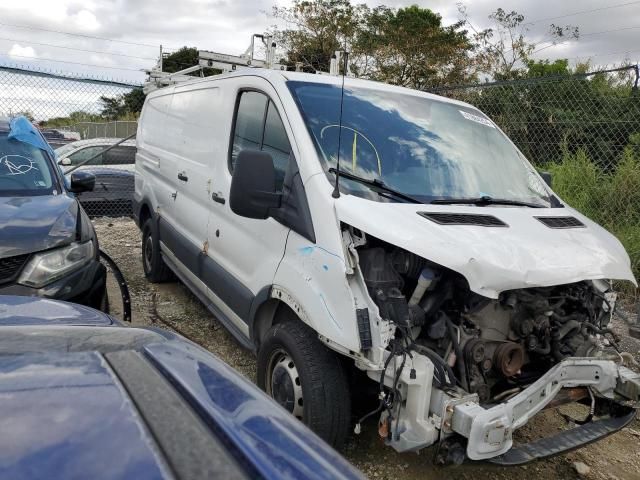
x: 585, y: 130
x: 75, y: 115
x: 88, y: 130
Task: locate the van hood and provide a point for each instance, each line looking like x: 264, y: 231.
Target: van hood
x: 32, y: 224
x: 523, y: 254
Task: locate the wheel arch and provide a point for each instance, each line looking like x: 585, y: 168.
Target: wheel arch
x: 145, y: 213
x: 266, y: 311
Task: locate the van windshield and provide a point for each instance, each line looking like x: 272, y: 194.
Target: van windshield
x: 425, y: 148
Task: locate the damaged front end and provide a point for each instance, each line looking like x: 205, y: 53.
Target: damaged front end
x: 465, y: 371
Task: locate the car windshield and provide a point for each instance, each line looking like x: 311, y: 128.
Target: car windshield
x: 422, y: 147
x: 25, y: 170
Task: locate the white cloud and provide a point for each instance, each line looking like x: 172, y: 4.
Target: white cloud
x: 18, y: 50
x: 55, y: 11
x: 226, y: 26
x: 86, y: 20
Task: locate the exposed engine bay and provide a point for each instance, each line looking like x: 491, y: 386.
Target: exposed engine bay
x: 489, y: 347
x: 495, y: 362
x: 464, y: 369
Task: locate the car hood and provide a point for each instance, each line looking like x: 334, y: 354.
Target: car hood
x: 20, y: 311
x: 272, y: 440
x: 31, y: 224
x: 526, y: 253
x: 67, y: 413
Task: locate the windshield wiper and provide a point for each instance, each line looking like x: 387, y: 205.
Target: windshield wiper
x: 376, y: 184
x: 483, y: 201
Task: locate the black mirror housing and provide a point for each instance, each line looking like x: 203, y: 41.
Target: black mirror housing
x: 82, y: 182
x: 253, y: 185
x: 547, y: 177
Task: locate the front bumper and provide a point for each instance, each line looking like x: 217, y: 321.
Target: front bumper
x: 85, y: 286
x: 490, y: 430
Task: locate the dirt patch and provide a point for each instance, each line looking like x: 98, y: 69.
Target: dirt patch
x: 172, y: 306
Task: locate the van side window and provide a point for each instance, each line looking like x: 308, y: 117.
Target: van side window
x: 256, y: 129
x: 249, y: 123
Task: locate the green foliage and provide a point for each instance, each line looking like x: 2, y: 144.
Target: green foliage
x: 407, y: 46
x: 556, y: 112
x: 411, y: 47
x: 540, y: 68
x: 72, y: 119
x: 182, y: 58
x: 126, y: 105
x: 320, y: 28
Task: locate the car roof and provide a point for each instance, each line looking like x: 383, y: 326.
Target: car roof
x: 158, y: 404
x: 101, y: 141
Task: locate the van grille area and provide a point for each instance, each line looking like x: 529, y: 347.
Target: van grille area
x: 479, y: 220
x: 561, y: 222
x: 9, y: 267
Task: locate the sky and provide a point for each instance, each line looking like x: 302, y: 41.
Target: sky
x: 608, y: 36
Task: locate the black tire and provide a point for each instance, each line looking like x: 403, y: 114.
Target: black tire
x: 154, y: 267
x: 324, y: 387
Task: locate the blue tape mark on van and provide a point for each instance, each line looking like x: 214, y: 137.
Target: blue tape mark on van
x: 306, y: 251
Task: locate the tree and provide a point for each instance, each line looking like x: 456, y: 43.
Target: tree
x: 125, y: 105
x: 411, y: 47
x: 134, y: 100
x: 112, y: 107
x: 320, y: 27
x: 504, y: 51
x: 182, y: 58
x: 407, y: 46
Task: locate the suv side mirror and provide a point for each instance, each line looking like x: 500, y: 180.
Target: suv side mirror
x: 546, y: 176
x: 253, y: 185
x: 82, y: 182
x: 65, y: 162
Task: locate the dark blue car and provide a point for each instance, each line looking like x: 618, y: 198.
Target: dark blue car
x: 82, y: 396
x: 48, y: 246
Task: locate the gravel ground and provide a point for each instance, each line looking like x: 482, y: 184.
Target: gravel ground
x: 172, y: 306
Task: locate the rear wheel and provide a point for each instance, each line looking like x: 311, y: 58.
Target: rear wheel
x: 307, y: 379
x: 154, y: 267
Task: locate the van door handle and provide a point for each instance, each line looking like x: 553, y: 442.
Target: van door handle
x: 183, y: 177
x: 217, y: 198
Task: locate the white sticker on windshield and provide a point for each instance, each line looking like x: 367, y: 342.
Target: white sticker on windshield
x: 476, y: 118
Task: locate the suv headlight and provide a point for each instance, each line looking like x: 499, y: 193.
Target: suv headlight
x: 47, y: 267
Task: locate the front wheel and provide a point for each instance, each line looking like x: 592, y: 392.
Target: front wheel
x: 307, y: 379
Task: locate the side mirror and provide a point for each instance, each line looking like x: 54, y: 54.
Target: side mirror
x: 82, y: 182
x: 65, y: 162
x: 253, y: 185
x: 546, y: 176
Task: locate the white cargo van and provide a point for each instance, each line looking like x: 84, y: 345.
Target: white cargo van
x: 443, y: 272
